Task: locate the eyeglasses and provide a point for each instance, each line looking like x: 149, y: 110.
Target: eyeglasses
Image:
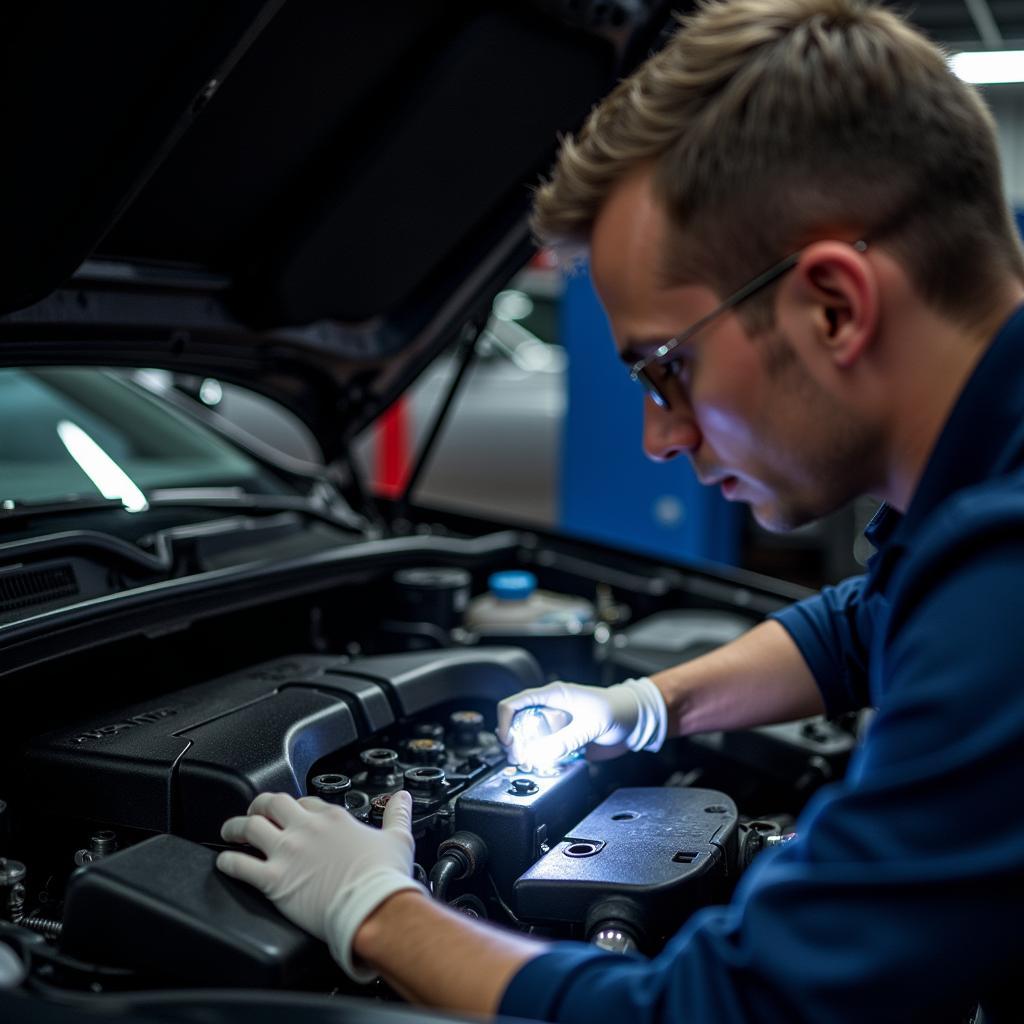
x: 641, y: 370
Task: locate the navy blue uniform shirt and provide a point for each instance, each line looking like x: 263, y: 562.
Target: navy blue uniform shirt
x: 902, y: 898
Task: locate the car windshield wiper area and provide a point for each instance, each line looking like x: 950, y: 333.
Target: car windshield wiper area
x: 97, y: 563
x: 322, y: 503
x: 12, y: 510
x: 155, y: 543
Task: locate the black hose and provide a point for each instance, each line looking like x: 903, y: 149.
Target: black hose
x: 448, y: 868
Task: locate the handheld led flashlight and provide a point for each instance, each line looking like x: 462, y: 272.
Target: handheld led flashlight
x: 530, y: 727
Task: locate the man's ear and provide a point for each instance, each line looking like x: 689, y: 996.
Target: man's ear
x: 834, y: 291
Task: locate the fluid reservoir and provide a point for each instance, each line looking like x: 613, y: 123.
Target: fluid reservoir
x: 514, y: 604
x: 434, y: 595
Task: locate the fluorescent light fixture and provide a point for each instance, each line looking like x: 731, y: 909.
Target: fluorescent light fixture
x: 110, y: 479
x: 989, y: 67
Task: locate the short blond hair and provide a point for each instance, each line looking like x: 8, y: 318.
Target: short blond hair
x: 771, y: 122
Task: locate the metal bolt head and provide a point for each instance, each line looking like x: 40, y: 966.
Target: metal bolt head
x: 523, y: 787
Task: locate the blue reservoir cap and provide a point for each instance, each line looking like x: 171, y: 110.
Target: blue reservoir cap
x: 512, y: 585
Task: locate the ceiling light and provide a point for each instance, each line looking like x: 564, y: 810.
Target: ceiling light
x: 989, y: 67
x: 107, y: 476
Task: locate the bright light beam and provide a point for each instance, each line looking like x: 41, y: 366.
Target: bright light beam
x: 109, y: 478
x: 989, y: 67
x: 528, y: 728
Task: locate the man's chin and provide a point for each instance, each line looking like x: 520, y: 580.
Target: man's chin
x: 777, y: 518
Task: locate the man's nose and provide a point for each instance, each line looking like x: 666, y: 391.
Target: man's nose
x: 669, y: 432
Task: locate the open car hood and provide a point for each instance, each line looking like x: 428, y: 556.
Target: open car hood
x: 310, y: 199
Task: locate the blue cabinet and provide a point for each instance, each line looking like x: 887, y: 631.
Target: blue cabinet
x: 609, y: 491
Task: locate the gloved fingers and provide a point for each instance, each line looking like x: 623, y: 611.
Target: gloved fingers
x: 578, y: 733
x: 253, y: 829
x: 398, y: 813
x: 508, y: 707
x: 280, y: 808
x: 314, y: 803
x: 247, y: 869
x: 515, y: 753
x: 551, y: 721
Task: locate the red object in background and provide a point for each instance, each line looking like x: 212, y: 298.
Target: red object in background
x: 392, y: 450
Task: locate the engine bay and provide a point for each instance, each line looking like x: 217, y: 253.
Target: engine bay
x: 111, y: 818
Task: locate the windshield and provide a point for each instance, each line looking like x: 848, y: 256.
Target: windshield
x: 71, y: 432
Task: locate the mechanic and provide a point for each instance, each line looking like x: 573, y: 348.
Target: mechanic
x: 807, y: 185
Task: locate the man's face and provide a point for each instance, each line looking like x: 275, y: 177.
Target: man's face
x: 745, y: 410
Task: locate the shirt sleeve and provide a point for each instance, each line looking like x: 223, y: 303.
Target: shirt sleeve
x: 833, y: 632
x: 901, y: 898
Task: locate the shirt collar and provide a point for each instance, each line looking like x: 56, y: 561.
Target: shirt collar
x: 882, y: 524
x: 984, y: 434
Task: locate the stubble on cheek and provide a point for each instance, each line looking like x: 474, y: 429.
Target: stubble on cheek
x: 809, y: 457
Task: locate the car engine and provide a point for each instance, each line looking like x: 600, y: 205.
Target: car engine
x: 111, y: 822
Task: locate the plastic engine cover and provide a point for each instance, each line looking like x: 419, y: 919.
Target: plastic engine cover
x: 186, y: 761
x: 518, y: 814
x: 665, y: 849
x: 162, y: 908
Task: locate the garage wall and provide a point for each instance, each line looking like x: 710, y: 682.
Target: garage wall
x: 1007, y: 103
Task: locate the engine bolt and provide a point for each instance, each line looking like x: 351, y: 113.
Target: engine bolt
x: 426, y: 751
x: 428, y: 731
x: 523, y: 787
x: 380, y: 765
x: 101, y: 844
x: 425, y: 784
x: 330, y: 787
x: 466, y: 726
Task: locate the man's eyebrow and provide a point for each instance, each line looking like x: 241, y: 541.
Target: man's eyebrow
x: 636, y: 349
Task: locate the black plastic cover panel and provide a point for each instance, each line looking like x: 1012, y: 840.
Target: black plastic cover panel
x: 162, y: 908
x: 225, y: 740
x: 660, y: 847
x: 418, y: 681
x: 518, y: 815
x: 186, y: 762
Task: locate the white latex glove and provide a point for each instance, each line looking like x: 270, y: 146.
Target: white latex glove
x: 607, y: 720
x: 325, y: 871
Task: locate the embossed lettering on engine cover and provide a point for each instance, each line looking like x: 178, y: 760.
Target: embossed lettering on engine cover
x: 146, y: 718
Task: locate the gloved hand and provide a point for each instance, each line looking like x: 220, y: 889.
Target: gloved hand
x: 607, y: 720
x: 325, y: 871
